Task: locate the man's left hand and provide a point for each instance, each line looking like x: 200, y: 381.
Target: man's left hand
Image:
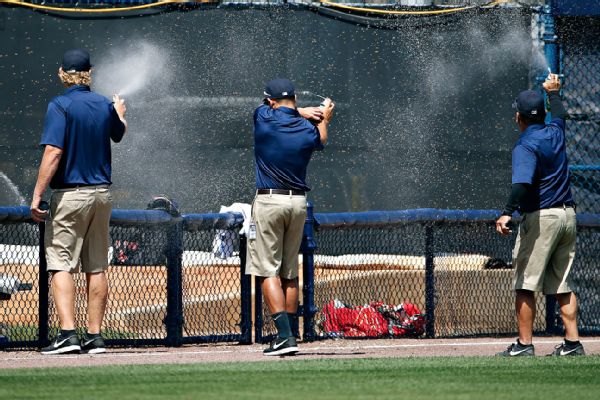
x: 502, y: 225
x: 313, y: 114
x: 552, y: 83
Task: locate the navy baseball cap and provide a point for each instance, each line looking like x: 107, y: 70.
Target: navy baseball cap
x: 76, y: 60
x: 279, y: 89
x: 530, y: 104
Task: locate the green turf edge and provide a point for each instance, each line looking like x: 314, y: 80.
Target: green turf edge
x: 389, y: 378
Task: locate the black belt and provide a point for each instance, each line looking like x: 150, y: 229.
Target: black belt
x: 78, y: 186
x: 568, y: 204
x: 281, y: 191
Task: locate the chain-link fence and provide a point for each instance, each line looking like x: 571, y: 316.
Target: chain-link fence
x: 453, y: 268
x: 19, y: 275
x: 176, y: 280
x: 586, y: 276
x: 173, y: 280
x: 216, y: 291
x: 578, y: 38
x: 426, y: 273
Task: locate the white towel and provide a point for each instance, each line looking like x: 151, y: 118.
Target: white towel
x: 9, y: 284
x: 223, y: 241
x: 242, y: 208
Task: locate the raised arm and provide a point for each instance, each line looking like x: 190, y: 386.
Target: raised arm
x: 327, y: 108
x: 552, y: 87
x: 121, y: 109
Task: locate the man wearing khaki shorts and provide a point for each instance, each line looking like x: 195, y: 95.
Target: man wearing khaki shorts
x: 78, y: 128
x: 545, y: 247
x: 284, y: 141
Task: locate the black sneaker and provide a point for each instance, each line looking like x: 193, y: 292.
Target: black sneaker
x: 564, y: 349
x: 63, y: 344
x: 281, y: 347
x: 93, y: 344
x: 518, y: 350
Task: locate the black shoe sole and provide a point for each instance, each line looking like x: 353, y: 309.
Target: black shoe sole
x: 286, y: 351
x: 98, y: 350
x: 63, y: 350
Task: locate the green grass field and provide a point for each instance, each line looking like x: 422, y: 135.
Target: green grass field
x: 398, y: 378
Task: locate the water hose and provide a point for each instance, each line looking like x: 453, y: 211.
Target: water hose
x: 100, y: 10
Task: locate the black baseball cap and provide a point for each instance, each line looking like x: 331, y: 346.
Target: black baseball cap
x: 530, y: 104
x: 76, y: 60
x: 279, y: 89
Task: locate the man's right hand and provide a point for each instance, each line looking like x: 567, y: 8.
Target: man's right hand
x: 329, y: 105
x: 552, y: 83
x: 37, y: 214
x: 120, y: 107
x: 502, y: 225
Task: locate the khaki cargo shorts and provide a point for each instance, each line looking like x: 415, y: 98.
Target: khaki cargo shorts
x: 279, y: 221
x: 78, y: 228
x: 545, y: 250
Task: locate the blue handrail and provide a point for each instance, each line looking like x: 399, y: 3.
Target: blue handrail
x: 582, y: 167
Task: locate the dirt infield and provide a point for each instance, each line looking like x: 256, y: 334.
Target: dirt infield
x: 329, y: 349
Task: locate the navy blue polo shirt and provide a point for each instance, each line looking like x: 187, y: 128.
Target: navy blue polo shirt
x: 283, y: 144
x: 82, y: 123
x: 539, y: 159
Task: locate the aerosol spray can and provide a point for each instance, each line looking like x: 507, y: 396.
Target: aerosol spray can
x: 323, y: 98
x: 44, y: 206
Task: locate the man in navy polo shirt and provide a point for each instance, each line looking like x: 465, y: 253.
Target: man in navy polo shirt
x: 76, y: 164
x: 284, y: 140
x: 545, y: 246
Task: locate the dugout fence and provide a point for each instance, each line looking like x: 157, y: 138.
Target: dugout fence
x: 179, y: 279
x: 173, y: 280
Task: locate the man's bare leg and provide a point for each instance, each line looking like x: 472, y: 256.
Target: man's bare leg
x: 275, y: 298
x: 525, y: 306
x: 97, y: 293
x: 568, y: 312
x: 63, y: 291
x: 273, y: 294
x: 290, y: 292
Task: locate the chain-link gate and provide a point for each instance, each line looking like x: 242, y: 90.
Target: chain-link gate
x: 19, y: 277
x: 424, y: 273
x: 172, y: 280
x: 216, y: 290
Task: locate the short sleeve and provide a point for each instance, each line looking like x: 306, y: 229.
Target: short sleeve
x: 55, y: 126
x: 263, y: 112
x: 524, y: 162
x: 559, y: 122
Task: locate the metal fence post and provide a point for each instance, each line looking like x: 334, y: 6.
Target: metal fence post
x: 551, y: 46
x: 551, y: 327
x: 429, y: 281
x: 258, y: 311
x: 44, y: 292
x: 552, y: 54
x: 308, y: 247
x: 245, y: 296
x: 174, y: 252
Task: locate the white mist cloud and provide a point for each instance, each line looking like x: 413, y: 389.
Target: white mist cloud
x: 133, y: 69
